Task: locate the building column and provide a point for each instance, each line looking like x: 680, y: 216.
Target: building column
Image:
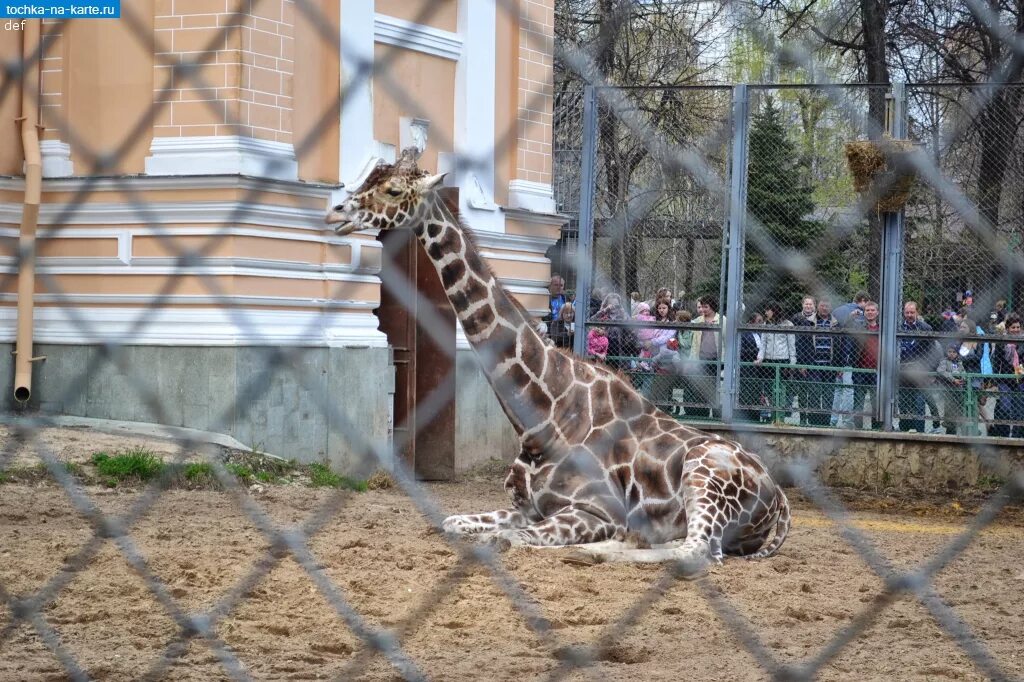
x: 474, y: 116
x: 236, y: 115
x: 531, y: 188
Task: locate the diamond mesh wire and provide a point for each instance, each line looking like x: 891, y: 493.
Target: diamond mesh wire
x: 665, y: 160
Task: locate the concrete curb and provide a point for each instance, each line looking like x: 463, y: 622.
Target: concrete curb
x: 119, y: 427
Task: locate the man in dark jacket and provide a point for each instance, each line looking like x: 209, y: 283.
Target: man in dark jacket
x: 823, y: 380
x: 917, y: 359
x: 804, y: 345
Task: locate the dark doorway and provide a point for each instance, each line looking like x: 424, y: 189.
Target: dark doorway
x: 425, y: 429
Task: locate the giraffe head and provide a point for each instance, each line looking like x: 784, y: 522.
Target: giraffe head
x: 391, y: 197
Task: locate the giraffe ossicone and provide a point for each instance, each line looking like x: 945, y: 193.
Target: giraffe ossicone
x: 599, y: 464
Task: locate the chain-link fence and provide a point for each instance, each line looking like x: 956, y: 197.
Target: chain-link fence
x: 826, y: 332
x: 660, y: 212
x: 958, y: 274
x: 813, y: 260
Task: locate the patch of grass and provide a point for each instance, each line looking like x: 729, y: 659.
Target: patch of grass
x: 991, y: 481
x: 240, y: 471
x: 321, y: 476
x: 37, y: 472
x: 200, y: 473
x: 259, y: 466
x: 132, y: 465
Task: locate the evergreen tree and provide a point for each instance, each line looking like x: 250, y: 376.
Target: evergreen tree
x: 779, y: 198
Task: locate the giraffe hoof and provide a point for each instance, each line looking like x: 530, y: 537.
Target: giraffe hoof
x: 582, y: 559
x: 499, y: 543
x: 691, y: 568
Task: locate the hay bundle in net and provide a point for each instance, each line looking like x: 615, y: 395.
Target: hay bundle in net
x: 880, y: 169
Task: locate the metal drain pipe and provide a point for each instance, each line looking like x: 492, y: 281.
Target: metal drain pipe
x: 30, y: 210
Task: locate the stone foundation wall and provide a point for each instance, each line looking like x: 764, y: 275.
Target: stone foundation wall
x: 228, y: 390
x: 482, y: 431
x: 874, y: 460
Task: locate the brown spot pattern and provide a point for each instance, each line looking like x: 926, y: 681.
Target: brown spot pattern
x: 568, y: 484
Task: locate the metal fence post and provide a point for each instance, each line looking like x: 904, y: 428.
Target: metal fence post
x: 585, y: 238
x: 737, y: 224
x: 892, y: 281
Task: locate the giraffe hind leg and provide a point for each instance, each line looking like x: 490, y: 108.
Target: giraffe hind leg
x: 486, y: 523
x: 568, y: 527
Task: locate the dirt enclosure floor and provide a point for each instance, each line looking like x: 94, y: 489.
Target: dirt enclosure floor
x: 383, y: 558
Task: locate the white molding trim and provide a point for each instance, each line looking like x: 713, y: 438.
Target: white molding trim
x: 219, y: 154
x: 226, y: 213
x: 418, y: 37
x: 515, y: 257
x: 239, y: 301
x: 56, y: 159
x: 357, y: 57
x: 474, y: 138
x: 514, y: 242
x: 199, y: 327
x: 522, y: 215
x: 138, y: 183
x: 380, y: 152
x: 218, y: 267
x: 531, y: 196
x: 530, y: 287
x: 413, y: 132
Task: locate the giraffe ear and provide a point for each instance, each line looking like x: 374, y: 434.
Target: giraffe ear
x: 432, y: 181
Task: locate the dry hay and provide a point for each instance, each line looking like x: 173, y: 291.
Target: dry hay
x: 381, y: 480
x: 880, y: 171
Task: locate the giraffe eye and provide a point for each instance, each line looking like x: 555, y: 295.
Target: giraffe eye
x: 394, y: 192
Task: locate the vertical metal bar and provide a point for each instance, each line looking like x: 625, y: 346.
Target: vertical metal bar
x: 892, y: 282
x: 778, y: 397
x: 970, y: 407
x: 737, y: 225
x: 585, y: 240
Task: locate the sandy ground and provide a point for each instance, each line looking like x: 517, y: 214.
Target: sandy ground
x: 380, y: 554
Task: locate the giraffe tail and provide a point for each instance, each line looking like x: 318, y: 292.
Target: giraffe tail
x: 781, y: 530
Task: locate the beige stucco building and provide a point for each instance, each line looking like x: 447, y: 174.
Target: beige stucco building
x: 189, y: 151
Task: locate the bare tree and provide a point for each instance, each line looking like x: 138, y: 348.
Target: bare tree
x: 660, y: 44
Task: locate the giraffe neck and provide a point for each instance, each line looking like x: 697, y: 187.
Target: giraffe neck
x: 497, y: 327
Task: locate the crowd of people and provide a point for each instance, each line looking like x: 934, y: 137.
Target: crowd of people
x: 816, y: 366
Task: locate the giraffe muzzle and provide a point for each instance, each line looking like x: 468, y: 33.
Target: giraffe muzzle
x: 341, y: 224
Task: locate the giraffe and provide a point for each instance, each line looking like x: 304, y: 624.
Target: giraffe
x: 599, y: 466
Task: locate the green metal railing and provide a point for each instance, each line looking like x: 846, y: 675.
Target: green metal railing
x: 781, y: 387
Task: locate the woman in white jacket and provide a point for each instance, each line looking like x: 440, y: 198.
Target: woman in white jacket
x: 776, y: 348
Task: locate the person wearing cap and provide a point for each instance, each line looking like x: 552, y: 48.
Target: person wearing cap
x: 848, y: 316
x: 950, y: 323
x: 968, y: 302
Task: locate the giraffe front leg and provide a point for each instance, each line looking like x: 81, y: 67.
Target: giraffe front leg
x: 567, y: 527
x: 489, y: 522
